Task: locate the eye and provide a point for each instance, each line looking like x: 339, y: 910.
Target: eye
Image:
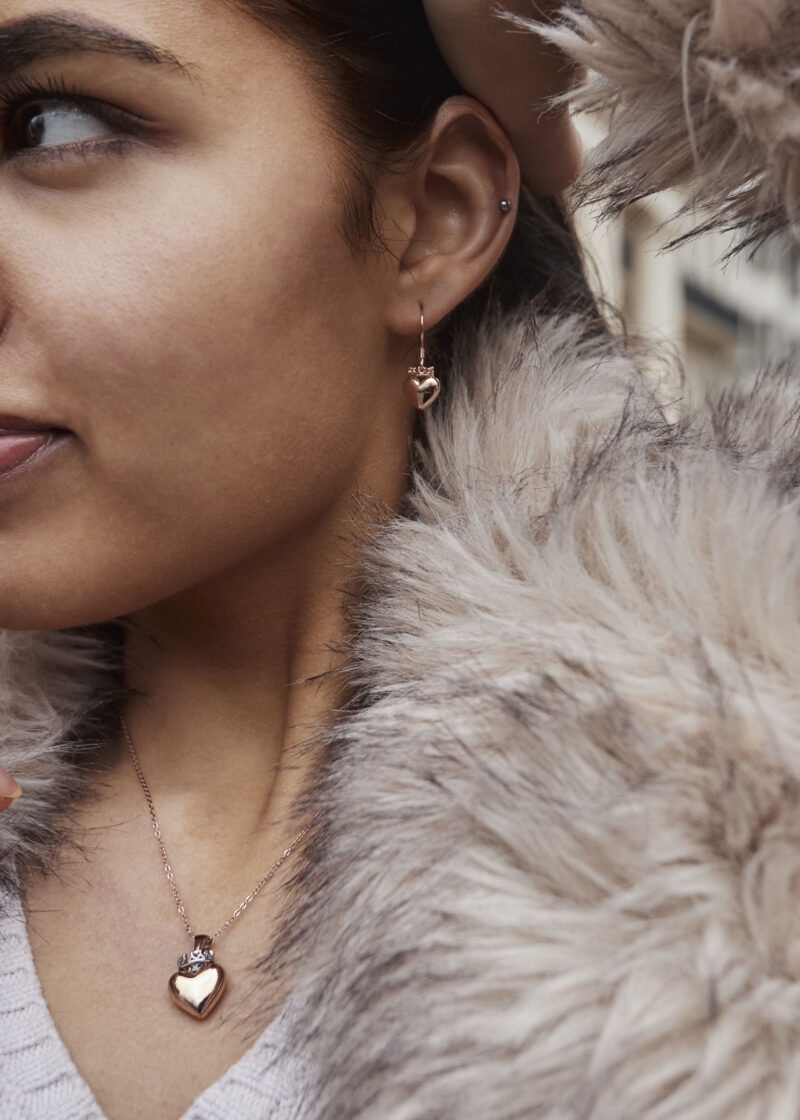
x: 50, y: 121
x: 41, y: 124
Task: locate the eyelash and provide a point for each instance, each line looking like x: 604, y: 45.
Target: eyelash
x: 16, y: 94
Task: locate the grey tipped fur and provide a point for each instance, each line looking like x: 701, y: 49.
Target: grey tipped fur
x: 704, y: 95
x: 557, y: 874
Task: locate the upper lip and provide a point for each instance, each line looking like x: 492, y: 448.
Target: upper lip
x: 19, y: 423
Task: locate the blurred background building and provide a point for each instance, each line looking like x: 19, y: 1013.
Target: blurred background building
x: 723, y: 322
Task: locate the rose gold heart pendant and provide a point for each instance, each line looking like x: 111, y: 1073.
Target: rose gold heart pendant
x: 421, y: 387
x: 198, y: 985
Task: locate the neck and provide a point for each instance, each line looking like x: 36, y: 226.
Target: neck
x: 230, y: 680
x: 227, y: 678
x: 226, y: 683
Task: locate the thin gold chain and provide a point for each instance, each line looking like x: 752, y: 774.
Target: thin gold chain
x: 168, y: 869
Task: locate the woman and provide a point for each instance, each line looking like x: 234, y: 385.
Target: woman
x: 510, y: 677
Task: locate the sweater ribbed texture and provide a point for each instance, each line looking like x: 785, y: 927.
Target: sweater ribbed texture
x: 39, y: 1080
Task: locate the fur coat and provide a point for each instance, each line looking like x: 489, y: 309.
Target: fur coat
x: 556, y: 874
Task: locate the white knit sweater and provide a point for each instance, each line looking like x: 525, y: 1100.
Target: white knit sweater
x: 39, y: 1080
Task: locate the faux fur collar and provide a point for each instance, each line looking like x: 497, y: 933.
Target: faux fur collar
x: 560, y: 840
x: 558, y: 867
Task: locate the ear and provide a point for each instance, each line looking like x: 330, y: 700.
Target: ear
x: 442, y: 218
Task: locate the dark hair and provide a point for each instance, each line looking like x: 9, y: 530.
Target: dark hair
x: 384, y: 78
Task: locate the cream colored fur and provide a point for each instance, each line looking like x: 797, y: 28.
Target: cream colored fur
x: 561, y: 865
x: 705, y: 95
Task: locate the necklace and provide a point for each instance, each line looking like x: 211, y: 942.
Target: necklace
x: 198, y: 984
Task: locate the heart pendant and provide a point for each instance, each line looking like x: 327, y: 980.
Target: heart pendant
x: 198, y: 985
x: 421, y: 387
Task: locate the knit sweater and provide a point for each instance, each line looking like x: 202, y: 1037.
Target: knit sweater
x: 39, y: 1080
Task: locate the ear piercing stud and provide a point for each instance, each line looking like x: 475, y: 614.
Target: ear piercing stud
x: 504, y: 205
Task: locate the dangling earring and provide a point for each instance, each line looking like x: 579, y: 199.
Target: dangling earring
x: 421, y: 387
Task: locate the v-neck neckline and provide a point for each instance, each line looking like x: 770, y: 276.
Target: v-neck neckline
x: 54, y: 1059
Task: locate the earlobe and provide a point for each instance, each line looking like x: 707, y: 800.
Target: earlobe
x: 463, y: 193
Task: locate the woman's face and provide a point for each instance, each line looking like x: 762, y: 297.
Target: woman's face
x: 178, y: 295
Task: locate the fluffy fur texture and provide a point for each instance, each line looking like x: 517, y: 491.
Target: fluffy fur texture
x: 704, y: 94
x: 555, y: 873
x: 561, y: 850
x: 55, y: 690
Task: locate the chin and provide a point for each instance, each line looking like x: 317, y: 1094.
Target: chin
x: 48, y: 611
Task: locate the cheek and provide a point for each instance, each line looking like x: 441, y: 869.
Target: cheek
x: 208, y: 352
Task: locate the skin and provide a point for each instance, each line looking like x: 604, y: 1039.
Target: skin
x: 232, y: 376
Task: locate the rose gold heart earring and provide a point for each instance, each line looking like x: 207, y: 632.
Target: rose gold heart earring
x: 421, y: 387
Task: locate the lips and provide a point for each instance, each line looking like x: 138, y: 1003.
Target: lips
x: 16, y: 447
x: 22, y: 439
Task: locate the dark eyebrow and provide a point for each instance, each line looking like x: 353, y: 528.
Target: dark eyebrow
x: 48, y: 35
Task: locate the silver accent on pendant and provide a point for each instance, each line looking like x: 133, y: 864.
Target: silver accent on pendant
x: 194, y: 961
